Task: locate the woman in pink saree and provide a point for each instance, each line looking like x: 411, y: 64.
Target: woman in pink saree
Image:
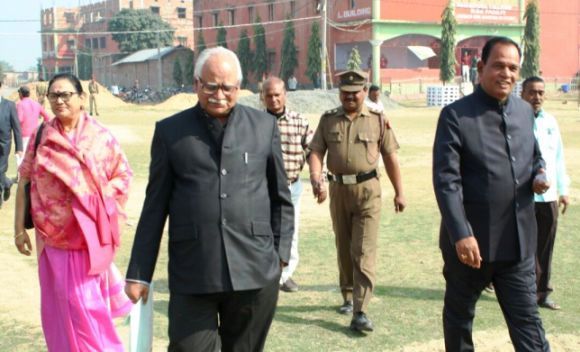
x: 79, y: 181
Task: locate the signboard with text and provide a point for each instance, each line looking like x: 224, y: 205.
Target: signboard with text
x: 488, y: 12
x: 353, y: 14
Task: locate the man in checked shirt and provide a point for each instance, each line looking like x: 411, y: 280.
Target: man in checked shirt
x: 295, y: 135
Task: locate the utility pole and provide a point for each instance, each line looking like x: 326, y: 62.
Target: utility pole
x: 323, y: 53
x: 159, y: 66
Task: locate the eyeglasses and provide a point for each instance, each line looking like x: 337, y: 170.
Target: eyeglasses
x: 64, y: 96
x: 212, y: 88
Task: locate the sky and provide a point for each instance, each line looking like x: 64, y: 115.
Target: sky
x: 20, y: 27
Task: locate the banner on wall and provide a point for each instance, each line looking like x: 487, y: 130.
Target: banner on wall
x: 488, y: 12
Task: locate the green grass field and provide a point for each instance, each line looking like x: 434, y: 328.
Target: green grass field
x: 408, y: 298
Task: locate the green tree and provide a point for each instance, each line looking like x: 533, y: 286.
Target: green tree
x: 531, y: 41
x: 448, y: 30
x: 314, y: 54
x: 199, y: 44
x: 261, y: 53
x: 189, y: 68
x: 245, y: 55
x: 177, y: 73
x: 150, y: 30
x: 354, y: 59
x: 221, y: 36
x: 289, y: 53
x: 85, y: 64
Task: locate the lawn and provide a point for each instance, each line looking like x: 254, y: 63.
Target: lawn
x: 409, y: 291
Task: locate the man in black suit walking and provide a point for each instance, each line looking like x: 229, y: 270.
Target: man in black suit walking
x: 217, y: 172
x: 486, y: 168
x: 9, y: 125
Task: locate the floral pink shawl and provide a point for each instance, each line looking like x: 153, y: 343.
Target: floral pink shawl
x: 79, y: 185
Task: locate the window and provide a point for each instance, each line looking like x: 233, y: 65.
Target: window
x: 251, y: 14
x: 199, y: 21
x: 95, y: 43
x: 155, y: 10
x: 103, y: 41
x: 131, y: 5
x: 293, y: 8
x: 69, y: 17
x: 70, y: 44
x: 232, y: 16
x: 352, y: 4
x: 87, y: 43
x: 181, y: 12
x: 215, y: 19
x: 270, y: 12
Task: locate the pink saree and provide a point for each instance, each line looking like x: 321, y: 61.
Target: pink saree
x: 79, y: 185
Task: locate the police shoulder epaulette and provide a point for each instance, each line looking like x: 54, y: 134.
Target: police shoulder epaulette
x: 330, y: 112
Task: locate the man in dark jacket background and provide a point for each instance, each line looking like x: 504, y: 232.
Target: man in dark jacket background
x: 9, y: 125
x: 486, y: 168
x: 217, y: 172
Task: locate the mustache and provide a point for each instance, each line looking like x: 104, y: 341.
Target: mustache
x: 217, y: 101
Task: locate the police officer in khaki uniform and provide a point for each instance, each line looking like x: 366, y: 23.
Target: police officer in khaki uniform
x: 355, y: 138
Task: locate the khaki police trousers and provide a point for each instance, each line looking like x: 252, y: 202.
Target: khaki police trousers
x: 355, y: 211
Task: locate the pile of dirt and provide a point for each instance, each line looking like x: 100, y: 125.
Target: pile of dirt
x: 305, y: 101
x: 179, y: 101
x: 104, y: 99
x: 310, y: 101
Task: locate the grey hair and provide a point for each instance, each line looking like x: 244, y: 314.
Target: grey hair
x: 218, y: 50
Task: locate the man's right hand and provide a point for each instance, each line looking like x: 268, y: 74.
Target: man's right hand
x: 468, y: 252
x: 136, y: 291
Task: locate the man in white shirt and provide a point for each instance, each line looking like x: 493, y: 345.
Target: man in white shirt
x: 547, y: 205
x: 373, y: 100
x: 292, y: 83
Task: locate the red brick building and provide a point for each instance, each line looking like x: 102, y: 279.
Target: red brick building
x: 68, y: 33
x: 242, y: 14
x: 395, y: 28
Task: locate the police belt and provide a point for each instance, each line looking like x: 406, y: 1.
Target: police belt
x: 352, y: 179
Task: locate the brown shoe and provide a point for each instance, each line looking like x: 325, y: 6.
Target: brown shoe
x: 289, y: 286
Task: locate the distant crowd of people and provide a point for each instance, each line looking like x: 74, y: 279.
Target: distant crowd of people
x: 232, y: 198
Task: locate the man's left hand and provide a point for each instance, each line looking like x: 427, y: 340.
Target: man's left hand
x: 563, y: 202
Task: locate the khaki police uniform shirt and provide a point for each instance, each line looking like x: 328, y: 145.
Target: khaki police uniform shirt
x: 93, y: 88
x: 353, y: 146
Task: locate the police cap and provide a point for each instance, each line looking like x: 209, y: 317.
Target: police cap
x: 352, y: 80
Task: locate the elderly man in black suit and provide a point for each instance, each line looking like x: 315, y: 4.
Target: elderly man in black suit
x: 217, y: 172
x: 9, y: 125
x: 486, y: 168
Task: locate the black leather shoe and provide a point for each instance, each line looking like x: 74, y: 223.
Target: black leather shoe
x: 361, y: 323
x: 289, y: 286
x: 346, y: 308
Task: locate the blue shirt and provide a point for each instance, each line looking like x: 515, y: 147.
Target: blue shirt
x: 547, y: 133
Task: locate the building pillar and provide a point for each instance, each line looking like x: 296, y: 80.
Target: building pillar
x: 376, y: 61
x: 376, y: 42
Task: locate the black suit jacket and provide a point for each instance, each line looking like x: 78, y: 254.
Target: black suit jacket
x: 9, y: 125
x: 485, y: 157
x: 230, y: 213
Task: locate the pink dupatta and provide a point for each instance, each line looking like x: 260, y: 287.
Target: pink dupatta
x: 91, y: 166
